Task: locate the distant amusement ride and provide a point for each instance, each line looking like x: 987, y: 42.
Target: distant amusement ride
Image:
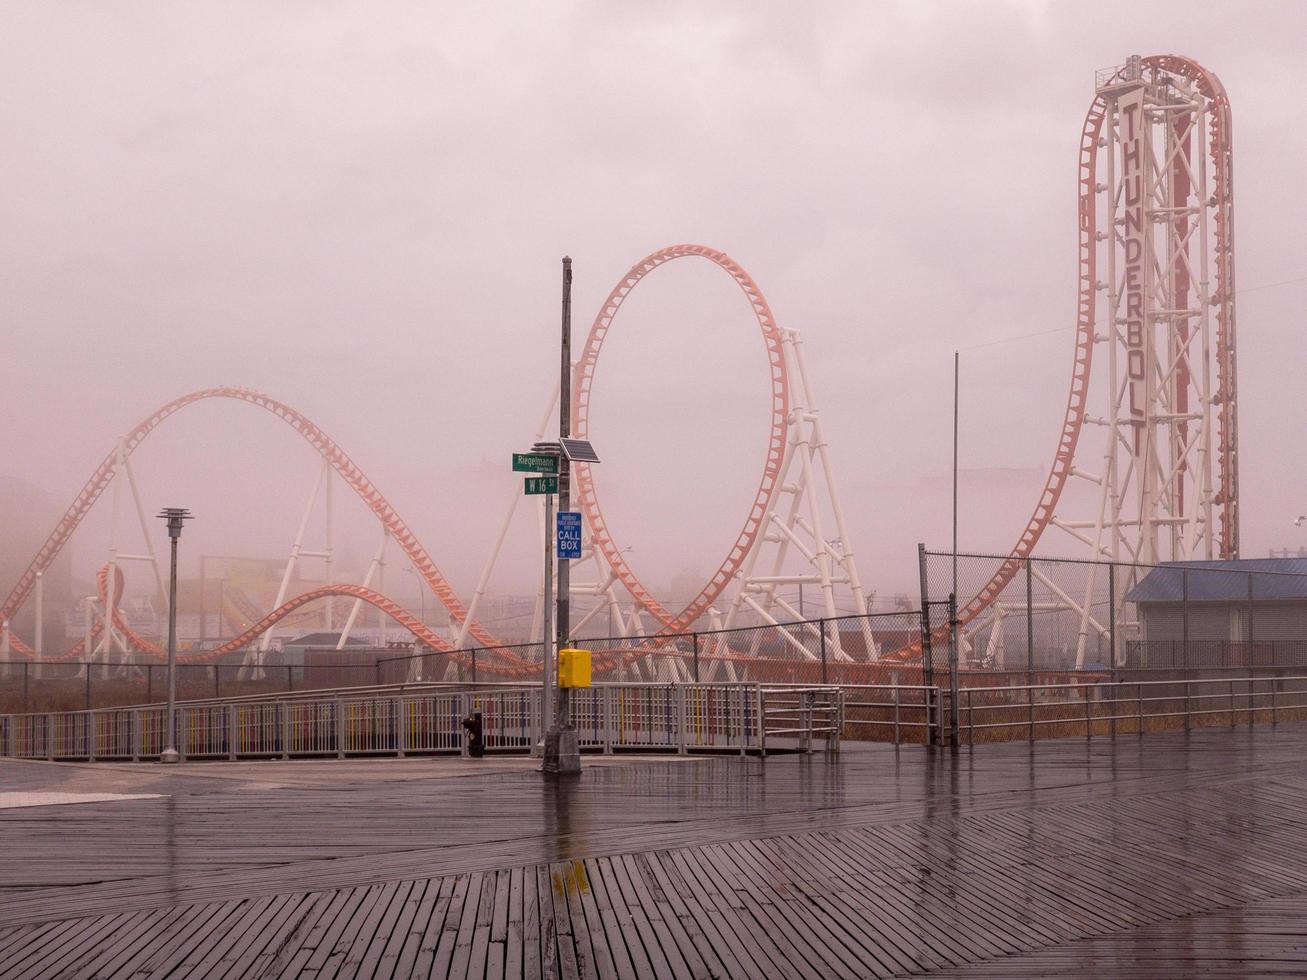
x: 1150, y: 436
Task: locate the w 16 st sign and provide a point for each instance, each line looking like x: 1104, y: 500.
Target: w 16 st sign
x: 569, y: 534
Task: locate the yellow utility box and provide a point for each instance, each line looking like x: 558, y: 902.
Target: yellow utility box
x: 573, y: 668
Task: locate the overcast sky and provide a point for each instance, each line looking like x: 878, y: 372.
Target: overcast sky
x: 359, y: 208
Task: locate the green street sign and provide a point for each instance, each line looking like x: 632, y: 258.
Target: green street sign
x: 541, y: 484
x: 535, y: 463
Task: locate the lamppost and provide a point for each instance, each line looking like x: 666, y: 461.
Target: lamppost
x: 174, y: 516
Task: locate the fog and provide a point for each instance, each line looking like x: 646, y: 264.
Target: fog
x: 360, y: 210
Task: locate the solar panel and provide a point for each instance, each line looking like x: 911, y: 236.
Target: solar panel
x: 579, y: 450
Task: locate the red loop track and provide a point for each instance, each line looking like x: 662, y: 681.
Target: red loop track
x: 583, y: 389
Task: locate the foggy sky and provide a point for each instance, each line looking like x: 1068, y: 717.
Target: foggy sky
x: 359, y: 208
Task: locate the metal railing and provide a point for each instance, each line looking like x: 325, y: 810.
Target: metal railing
x: 890, y: 712
x: 424, y: 719
x: 800, y: 714
x: 1109, y: 708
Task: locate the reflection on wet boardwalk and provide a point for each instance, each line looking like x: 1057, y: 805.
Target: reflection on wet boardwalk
x: 1162, y: 856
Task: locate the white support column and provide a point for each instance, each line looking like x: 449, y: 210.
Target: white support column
x: 266, y: 640
x: 109, y: 637
x: 39, y: 599
x: 88, y: 626
x: 367, y: 584
x: 145, y: 530
x: 461, y: 637
x: 381, y: 587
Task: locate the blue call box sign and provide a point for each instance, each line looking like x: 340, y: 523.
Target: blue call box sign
x: 569, y: 534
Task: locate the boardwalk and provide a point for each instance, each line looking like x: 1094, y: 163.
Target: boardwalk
x: 1169, y: 855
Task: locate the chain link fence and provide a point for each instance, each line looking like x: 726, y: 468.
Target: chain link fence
x: 1058, y: 615
x: 1044, y: 621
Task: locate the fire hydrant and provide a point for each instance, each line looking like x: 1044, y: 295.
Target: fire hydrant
x: 476, y: 746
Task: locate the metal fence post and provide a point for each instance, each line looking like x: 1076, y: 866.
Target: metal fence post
x: 401, y: 728
x: 49, y: 736
x: 462, y: 702
x: 1184, y: 630
x: 283, y: 709
x: 1111, y: 642
x: 149, y: 683
x: 896, y: 714
x: 1252, y: 609
x: 339, y: 711
x: 231, y: 729
x: 217, y: 684
x: 88, y: 688
x: 474, y: 665
x: 608, y: 720
x: 695, y: 639
x: 953, y: 669
x: 135, y: 736
x: 821, y: 629
x: 24, y: 687
x: 1030, y: 643
x: 927, y: 664
x: 680, y: 719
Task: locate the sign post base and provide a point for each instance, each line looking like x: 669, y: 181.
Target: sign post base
x: 562, y: 753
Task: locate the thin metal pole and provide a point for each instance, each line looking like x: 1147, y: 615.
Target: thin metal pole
x: 170, y: 753
x: 953, y: 670
x: 696, y: 656
x: 822, y: 624
x: 547, y: 636
x: 927, y: 654
x: 1111, y: 635
x: 1030, y: 644
x: 563, y: 625
x: 953, y: 596
x: 956, y: 364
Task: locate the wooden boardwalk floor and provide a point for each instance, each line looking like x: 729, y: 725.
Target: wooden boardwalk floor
x: 1170, y: 855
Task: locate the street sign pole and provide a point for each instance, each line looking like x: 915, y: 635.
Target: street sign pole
x: 546, y: 653
x: 562, y: 751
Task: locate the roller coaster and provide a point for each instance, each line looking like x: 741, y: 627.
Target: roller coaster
x: 1155, y: 232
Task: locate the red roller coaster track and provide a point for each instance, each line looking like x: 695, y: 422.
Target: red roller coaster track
x: 326, y: 447
x: 583, y: 390
x: 1221, y: 154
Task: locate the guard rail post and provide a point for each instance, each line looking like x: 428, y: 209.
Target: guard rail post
x: 401, y: 727
x: 680, y: 719
x: 695, y: 640
x: 338, y: 710
x: 896, y: 714
x: 463, y: 706
x: 283, y: 713
x: 49, y: 735
x: 608, y: 719
x: 231, y: 730
x: 744, y: 713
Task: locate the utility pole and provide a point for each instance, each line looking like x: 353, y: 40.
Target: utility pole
x: 175, y: 516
